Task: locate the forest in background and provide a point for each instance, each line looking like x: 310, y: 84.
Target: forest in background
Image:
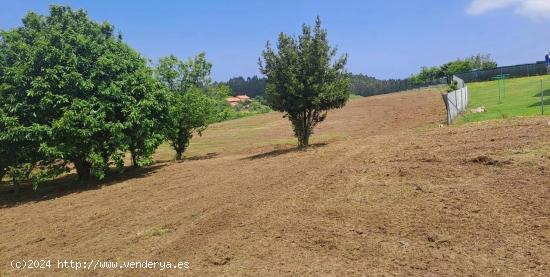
x: 365, y: 85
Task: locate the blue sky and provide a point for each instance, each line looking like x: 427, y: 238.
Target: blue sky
x: 383, y: 38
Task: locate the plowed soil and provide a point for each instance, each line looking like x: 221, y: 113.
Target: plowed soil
x: 384, y: 191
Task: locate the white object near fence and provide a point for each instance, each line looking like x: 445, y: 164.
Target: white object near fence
x: 456, y: 103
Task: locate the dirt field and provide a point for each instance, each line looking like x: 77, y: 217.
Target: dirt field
x: 383, y: 192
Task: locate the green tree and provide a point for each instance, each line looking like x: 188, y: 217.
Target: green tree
x: 19, y: 147
x: 222, y: 110
x: 6, y: 147
x: 146, y: 115
x: 303, y: 81
x: 21, y: 156
x: 427, y: 75
x: 180, y: 76
x: 190, y: 113
x: 191, y: 109
x: 481, y: 61
x: 475, y: 62
x: 83, y: 87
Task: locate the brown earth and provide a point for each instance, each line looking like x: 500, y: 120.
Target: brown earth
x: 384, y: 191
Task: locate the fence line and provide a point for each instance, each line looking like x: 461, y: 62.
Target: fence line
x: 456, y: 101
x: 460, y: 82
x: 514, y: 71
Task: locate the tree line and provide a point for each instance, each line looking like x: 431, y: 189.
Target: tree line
x: 446, y: 71
x: 73, y: 94
x: 252, y: 86
x: 364, y: 85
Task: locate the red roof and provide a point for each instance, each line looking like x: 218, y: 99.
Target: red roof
x: 233, y: 99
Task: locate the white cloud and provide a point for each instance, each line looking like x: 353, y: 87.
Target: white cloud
x: 534, y: 9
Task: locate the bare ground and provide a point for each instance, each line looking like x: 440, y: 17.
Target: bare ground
x: 384, y: 191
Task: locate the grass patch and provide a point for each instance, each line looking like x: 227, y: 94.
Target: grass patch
x: 354, y: 96
x: 522, y: 98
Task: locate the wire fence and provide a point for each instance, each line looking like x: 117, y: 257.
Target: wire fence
x: 508, y: 94
x: 499, y: 98
x: 513, y: 97
x: 368, y: 86
x: 456, y: 101
x: 514, y: 71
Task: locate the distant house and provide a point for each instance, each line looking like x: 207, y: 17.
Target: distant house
x: 244, y: 98
x: 233, y: 101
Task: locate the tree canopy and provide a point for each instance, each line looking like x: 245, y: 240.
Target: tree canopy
x: 76, y: 93
x: 304, y: 80
x: 429, y: 75
x: 365, y: 85
x: 191, y: 107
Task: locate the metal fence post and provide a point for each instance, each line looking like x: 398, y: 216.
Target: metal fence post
x: 462, y: 98
x: 467, y: 95
x: 456, y: 102
x: 503, y: 86
x: 542, y: 97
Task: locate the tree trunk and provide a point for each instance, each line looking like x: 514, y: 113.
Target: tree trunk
x: 83, y: 169
x: 180, y: 147
x: 106, y: 159
x: 179, y: 153
x: 134, y: 158
x: 303, y: 140
x: 307, y: 120
x: 16, y: 186
x: 2, y: 173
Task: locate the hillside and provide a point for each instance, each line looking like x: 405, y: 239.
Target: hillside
x: 383, y: 191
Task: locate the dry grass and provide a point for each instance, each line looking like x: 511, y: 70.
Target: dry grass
x: 384, y: 192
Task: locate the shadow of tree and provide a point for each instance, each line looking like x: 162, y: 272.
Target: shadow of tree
x: 537, y: 104
x: 203, y: 157
x: 545, y: 92
x: 68, y: 184
x: 278, y: 152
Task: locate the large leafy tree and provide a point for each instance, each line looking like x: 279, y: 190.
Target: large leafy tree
x: 6, y: 156
x: 79, y: 90
x: 190, y: 113
x: 146, y: 115
x: 304, y: 80
x: 191, y: 107
x: 19, y: 146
